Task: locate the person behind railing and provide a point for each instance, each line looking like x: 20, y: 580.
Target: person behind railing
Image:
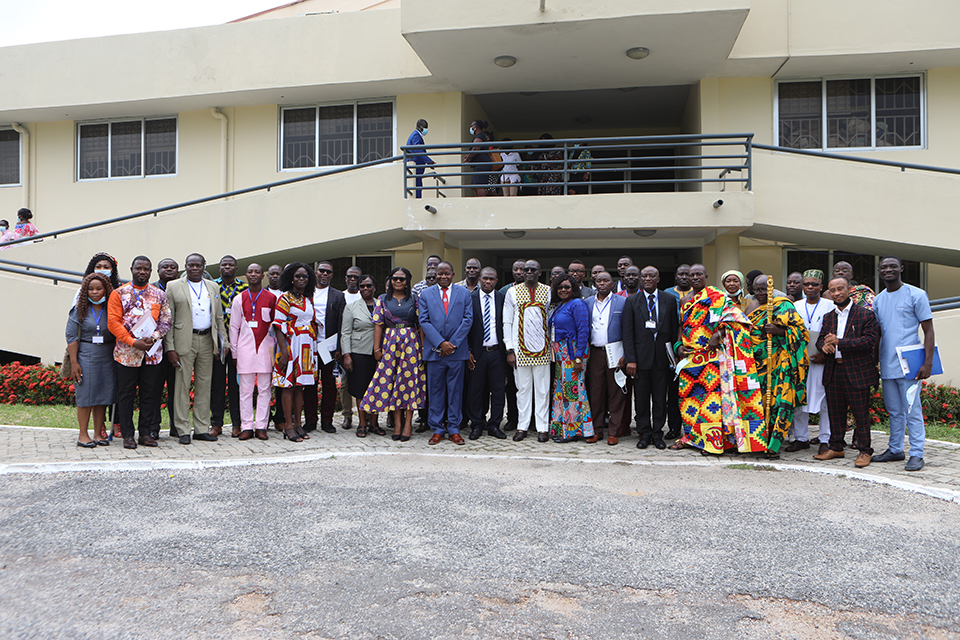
x: 420, y: 158
x: 91, y: 344
x: 580, y: 170
x: 509, y: 176
x: 479, y: 157
x: 551, y: 164
x: 23, y: 229
x: 4, y: 227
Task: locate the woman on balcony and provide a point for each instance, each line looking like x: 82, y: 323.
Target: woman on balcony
x: 90, y: 345
x: 551, y: 165
x: 480, y: 160
x: 570, y: 326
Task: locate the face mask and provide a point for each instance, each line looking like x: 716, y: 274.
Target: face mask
x: 473, y: 131
x: 3, y: 229
x: 103, y: 272
x: 424, y: 132
x: 100, y: 301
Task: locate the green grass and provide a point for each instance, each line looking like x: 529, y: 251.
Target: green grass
x: 935, y: 431
x: 752, y: 467
x: 60, y: 416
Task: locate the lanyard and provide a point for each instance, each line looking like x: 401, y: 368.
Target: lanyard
x: 137, y: 293
x: 196, y: 292
x: 96, y: 317
x: 601, y: 307
x: 810, y: 316
x: 254, y: 301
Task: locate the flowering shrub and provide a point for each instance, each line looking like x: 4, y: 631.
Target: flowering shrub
x: 34, y: 384
x: 941, y: 403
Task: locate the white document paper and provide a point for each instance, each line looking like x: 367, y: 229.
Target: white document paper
x: 144, y: 327
x: 614, y: 353
x: 325, y: 348
x: 155, y: 348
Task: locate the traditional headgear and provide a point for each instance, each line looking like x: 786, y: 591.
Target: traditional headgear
x: 814, y: 273
x: 732, y: 272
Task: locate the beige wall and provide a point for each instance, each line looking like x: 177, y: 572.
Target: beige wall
x: 943, y: 282
x: 946, y: 326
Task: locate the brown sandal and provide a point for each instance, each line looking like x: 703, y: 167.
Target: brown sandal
x: 676, y: 446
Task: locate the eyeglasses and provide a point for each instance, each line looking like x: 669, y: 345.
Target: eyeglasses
x: 399, y: 279
x: 366, y: 286
x: 349, y: 277
x: 324, y: 270
x: 301, y: 276
x: 577, y: 271
x: 530, y: 269
x: 564, y: 287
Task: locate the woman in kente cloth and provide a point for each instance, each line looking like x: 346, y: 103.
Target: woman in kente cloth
x: 720, y: 399
x: 790, y: 362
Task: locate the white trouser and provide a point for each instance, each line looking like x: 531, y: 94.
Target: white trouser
x: 248, y: 382
x: 801, y: 423
x: 533, y: 393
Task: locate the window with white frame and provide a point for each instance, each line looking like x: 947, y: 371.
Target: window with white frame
x: 852, y: 113
x: 9, y: 157
x: 129, y: 148
x: 336, y: 135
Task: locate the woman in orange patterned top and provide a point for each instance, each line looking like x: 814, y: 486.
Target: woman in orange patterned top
x: 296, y: 332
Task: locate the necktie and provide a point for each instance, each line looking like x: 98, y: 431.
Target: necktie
x: 446, y: 301
x: 486, y: 318
x: 652, y: 306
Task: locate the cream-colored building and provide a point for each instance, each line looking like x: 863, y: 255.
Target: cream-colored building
x: 102, y: 128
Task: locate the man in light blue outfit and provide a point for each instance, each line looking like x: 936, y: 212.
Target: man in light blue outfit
x: 902, y: 311
x: 419, y: 157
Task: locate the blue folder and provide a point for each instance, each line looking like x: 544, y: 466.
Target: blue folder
x: 915, y: 355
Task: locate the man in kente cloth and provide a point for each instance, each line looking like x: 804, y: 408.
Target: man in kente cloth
x: 720, y: 399
x: 789, y: 362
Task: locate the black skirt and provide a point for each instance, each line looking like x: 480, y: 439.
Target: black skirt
x: 358, y: 380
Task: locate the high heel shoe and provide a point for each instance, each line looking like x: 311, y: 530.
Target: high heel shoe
x: 292, y: 435
x: 300, y: 432
x: 405, y: 438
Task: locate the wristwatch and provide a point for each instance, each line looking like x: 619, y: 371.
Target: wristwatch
x: 577, y: 360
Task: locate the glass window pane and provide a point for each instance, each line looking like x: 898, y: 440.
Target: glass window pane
x: 336, y: 135
x: 340, y: 266
x: 848, y: 114
x: 299, y: 138
x: 379, y: 267
x: 125, y: 149
x: 801, y: 115
x: 160, y: 140
x: 9, y: 157
x: 864, y: 267
x: 898, y: 112
x: 799, y: 260
x: 911, y: 273
x: 374, y: 131
x: 93, y: 151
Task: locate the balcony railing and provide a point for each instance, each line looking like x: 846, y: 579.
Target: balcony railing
x: 583, y: 165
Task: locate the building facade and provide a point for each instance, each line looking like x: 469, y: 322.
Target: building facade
x: 101, y: 128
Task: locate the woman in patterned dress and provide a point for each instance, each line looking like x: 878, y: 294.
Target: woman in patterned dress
x: 295, y: 325
x: 570, y: 324
x: 399, y: 383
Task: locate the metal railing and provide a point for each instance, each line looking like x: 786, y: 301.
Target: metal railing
x: 559, y: 167
x: 903, y: 166
x: 46, y: 276
x: 189, y: 203
x: 945, y: 304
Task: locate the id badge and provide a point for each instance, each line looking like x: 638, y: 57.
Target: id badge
x: 97, y: 340
x: 253, y: 324
x: 228, y: 310
x: 650, y: 324
x: 138, y: 312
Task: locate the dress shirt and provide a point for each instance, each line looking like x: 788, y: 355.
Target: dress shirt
x: 490, y: 300
x: 200, y: 302
x: 655, y: 311
x: 842, y: 326
x: 600, y: 321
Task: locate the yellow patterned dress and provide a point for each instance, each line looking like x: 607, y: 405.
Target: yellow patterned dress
x: 720, y: 400
x: 790, y: 366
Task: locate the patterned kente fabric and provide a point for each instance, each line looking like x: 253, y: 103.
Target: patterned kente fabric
x: 533, y: 347
x: 720, y: 399
x: 790, y: 366
x: 862, y: 296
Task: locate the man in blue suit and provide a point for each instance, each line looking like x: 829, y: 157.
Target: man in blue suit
x: 446, y: 314
x: 419, y: 157
x: 606, y: 314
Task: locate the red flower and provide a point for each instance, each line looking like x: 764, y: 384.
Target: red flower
x: 944, y: 405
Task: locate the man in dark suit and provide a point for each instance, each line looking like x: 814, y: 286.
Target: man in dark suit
x: 167, y: 270
x: 329, y: 304
x: 446, y: 313
x: 488, y: 358
x: 650, y: 322
x: 606, y: 321
x: 848, y: 337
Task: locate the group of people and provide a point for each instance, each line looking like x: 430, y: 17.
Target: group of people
x: 505, y: 169
x: 22, y: 229
x: 736, y: 368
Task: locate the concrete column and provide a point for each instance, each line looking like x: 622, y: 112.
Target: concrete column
x: 726, y: 254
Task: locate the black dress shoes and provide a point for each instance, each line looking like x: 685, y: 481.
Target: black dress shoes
x: 310, y: 426
x: 672, y: 435
x: 327, y: 428
x: 205, y: 437
x: 185, y: 439
x: 510, y: 426
x: 174, y: 433
x: 543, y: 437
x: 497, y: 433
x: 659, y: 443
x: 519, y: 435
x: 888, y: 456
x: 155, y: 435
x: 475, y: 433
x: 643, y: 442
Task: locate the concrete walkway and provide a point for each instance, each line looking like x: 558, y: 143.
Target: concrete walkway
x: 48, y: 450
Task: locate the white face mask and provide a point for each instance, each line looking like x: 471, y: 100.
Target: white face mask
x: 103, y: 272
x: 473, y: 131
x: 100, y: 301
x: 3, y: 229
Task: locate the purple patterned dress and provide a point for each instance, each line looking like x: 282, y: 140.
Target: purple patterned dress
x: 400, y: 381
